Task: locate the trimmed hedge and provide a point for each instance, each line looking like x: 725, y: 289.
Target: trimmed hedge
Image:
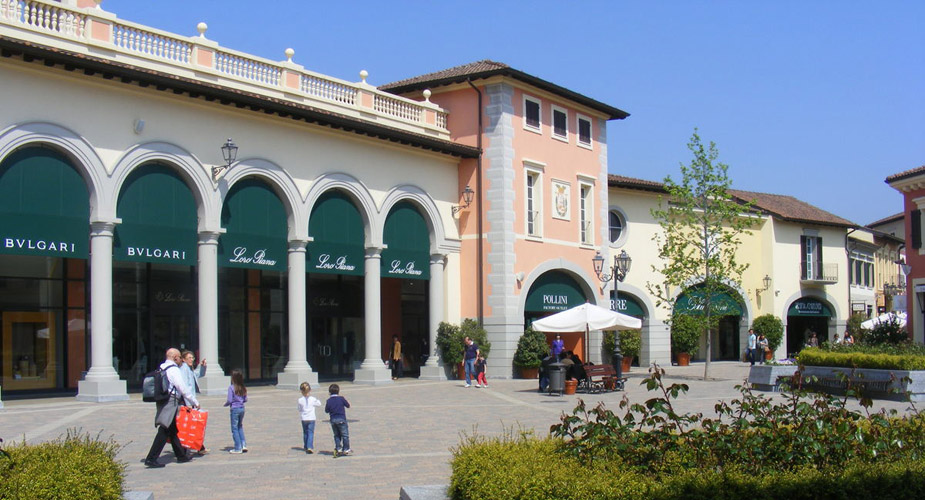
x: 74, y: 466
x: 531, y: 469
x: 854, y: 359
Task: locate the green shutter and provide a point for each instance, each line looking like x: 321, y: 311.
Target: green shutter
x: 255, y: 228
x: 552, y: 292
x: 407, y: 238
x: 692, y: 302
x: 336, y: 228
x: 44, y: 206
x: 159, y: 218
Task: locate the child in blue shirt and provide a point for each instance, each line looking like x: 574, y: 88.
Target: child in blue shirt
x: 336, y: 406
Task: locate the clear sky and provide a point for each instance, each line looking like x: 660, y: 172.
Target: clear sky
x: 821, y: 100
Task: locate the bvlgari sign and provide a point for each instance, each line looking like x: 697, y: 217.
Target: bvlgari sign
x: 156, y: 253
x: 63, y: 247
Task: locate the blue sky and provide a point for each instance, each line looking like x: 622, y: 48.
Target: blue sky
x: 820, y: 100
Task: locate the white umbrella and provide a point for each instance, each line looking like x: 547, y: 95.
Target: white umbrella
x: 900, y: 318
x: 585, y: 318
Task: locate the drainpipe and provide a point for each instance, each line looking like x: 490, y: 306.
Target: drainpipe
x: 480, y: 287
x: 848, y: 255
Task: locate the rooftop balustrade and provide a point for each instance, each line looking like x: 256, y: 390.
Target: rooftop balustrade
x: 95, y: 32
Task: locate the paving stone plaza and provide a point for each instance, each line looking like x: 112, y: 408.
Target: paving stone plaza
x: 401, y: 433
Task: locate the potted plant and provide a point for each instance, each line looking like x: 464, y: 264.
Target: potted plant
x: 531, y: 349
x: 630, y: 344
x: 685, y: 337
x: 773, y: 329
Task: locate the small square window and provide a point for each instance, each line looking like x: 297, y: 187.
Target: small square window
x: 584, y: 131
x: 532, y: 116
x: 559, y: 123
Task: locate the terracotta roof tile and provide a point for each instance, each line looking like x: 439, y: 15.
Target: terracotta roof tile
x: 633, y: 183
x: 486, y: 69
x: 892, y: 218
x: 908, y: 173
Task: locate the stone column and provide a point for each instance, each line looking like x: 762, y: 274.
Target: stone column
x: 433, y: 369
x: 101, y: 383
x: 373, y: 370
x: 297, y: 368
x: 215, y: 382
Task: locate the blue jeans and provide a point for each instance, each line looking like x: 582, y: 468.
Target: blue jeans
x: 470, y: 369
x: 237, y: 428
x: 308, y: 434
x: 341, y: 435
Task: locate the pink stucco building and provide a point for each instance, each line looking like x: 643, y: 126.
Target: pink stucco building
x: 911, y: 184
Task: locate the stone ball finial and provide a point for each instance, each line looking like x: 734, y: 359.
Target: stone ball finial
x: 427, y: 95
x: 289, y: 53
x: 98, y: 2
x: 201, y: 28
x: 363, y: 75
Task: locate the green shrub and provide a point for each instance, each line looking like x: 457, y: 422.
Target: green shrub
x: 450, y: 340
x: 855, y: 357
x: 630, y: 344
x: 886, y: 332
x: 531, y: 349
x: 73, y: 466
x: 685, y: 333
x: 771, y: 327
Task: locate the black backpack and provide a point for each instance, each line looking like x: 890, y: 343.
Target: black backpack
x: 155, y: 386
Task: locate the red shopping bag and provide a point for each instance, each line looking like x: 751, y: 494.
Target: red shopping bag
x: 191, y: 427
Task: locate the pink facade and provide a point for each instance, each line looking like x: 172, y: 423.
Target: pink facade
x: 911, y: 184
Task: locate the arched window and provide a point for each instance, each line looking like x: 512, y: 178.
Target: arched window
x: 617, y: 225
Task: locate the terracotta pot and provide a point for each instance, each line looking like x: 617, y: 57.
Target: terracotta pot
x: 627, y: 363
x: 570, y: 386
x: 768, y: 355
x: 460, y: 371
x: 529, y: 373
x: 684, y: 359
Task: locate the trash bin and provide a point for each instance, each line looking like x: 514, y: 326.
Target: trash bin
x: 556, y: 378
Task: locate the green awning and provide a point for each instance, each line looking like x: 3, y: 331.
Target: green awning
x: 255, y: 222
x: 809, y: 307
x: 336, y: 228
x: 44, y: 206
x: 158, y: 215
x: 407, y: 239
x: 627, y: 304
x: 552, y: 292
x: 693, y: 301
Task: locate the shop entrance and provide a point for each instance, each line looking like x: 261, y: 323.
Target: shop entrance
x: 334, y: 346
x: 726, y: 339
x: 807, y: 315
x: 173, y: 330
x: 335, y: 324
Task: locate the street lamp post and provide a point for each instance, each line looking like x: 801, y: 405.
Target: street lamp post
x: 621, y: 266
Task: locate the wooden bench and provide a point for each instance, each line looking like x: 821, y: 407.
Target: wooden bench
x: 597, y: 375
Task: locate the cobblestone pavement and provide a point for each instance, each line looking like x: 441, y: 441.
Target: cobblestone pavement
x: 401, y: 433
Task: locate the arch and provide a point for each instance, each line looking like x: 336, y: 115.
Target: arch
x: 641, y: 296
x: 190, y: 169
x: 356, y: 191
x: 428, y: 208
x: 744, y: 299
x: 280, y: 182
x: 814, y: 293
x: 566, y: 266
x: 77, y: 149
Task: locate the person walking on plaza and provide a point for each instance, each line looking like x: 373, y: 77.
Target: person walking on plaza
x: 480, y: 371
x: 165, y: 418
x: 237, y: 396
x: 190, y: 374
x: 472, y: 352
x: 307, y: 405
x: 752, y: 346
x: 395, y: 358
x: 336, y: 406
x: 763, y: 348
x: 558, y: 345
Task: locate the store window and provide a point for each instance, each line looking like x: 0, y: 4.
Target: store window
x: 810, y: 257
x: 586, y: 220
x: 534, y: 201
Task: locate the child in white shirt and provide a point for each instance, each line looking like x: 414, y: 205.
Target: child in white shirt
x: 307, y: 405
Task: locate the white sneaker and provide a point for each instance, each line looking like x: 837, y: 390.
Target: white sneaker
x: 347, y: 452
x: 467, y: 385
x: 235, y: 452
x: 478, y: 386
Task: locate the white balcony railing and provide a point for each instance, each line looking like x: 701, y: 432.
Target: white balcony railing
x: 827, y: 273
x: 76, y: 29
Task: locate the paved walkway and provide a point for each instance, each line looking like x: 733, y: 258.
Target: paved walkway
x: 401, y: 433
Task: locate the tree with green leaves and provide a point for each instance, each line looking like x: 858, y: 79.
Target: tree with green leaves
x: 702, y: 225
